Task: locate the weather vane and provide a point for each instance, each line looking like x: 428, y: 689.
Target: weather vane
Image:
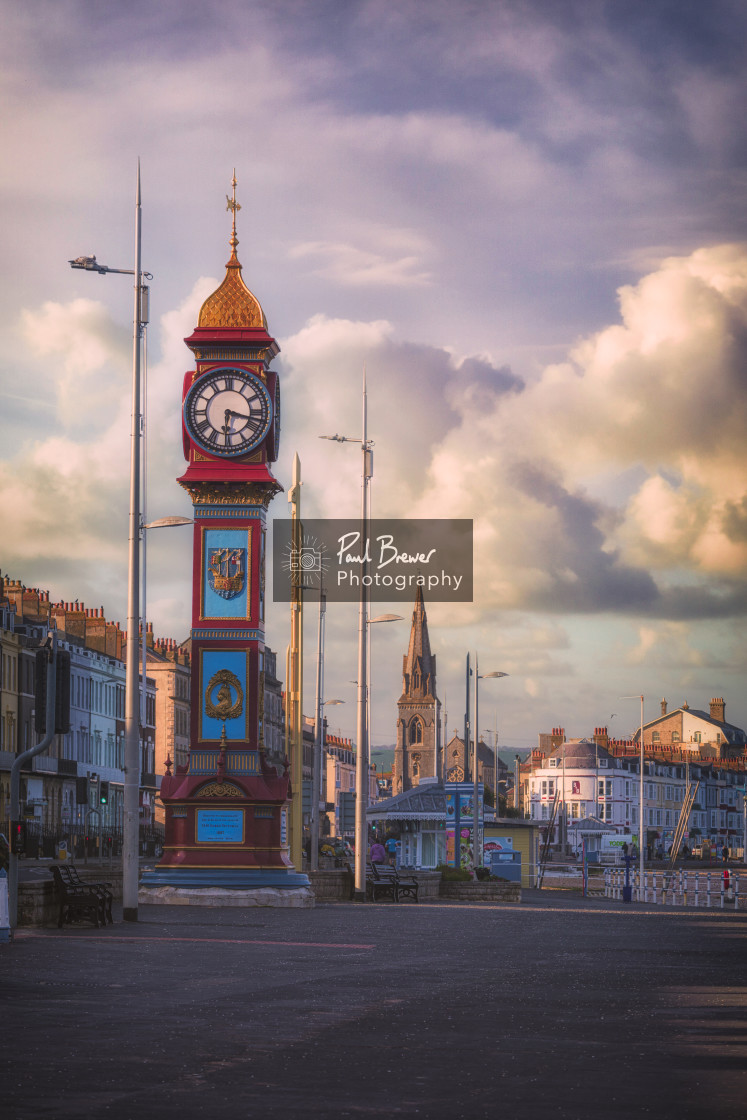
x: 233, y: 206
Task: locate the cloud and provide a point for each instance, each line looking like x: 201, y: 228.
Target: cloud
x: 661, y: 393
x: 380, y: 264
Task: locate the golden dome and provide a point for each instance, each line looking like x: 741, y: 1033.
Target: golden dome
x: 232, y: 305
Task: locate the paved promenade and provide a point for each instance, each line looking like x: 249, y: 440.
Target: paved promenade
x: 558, y: 1007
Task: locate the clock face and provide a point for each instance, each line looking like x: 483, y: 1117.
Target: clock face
x: 228, y: 412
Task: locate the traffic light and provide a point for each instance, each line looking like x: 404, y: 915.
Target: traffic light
x: 104, y: 793
x: 18, y: 838
x: 62, y: 692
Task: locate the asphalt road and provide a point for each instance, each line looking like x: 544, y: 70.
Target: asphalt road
x: 558, y: 1007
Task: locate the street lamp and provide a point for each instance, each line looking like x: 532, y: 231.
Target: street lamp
x: 130, y: 856
x: 361, y: 759
x: 640, y: 803
x: 476, y: 845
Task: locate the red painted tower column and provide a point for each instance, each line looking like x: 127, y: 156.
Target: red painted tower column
x: 227, y: 810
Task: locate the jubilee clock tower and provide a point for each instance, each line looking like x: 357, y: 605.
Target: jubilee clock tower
x: 227, y: 810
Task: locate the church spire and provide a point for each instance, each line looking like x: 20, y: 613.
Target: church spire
x: 419, y: 664
x: 417, y: 754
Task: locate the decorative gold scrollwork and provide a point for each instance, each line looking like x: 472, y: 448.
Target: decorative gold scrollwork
x: 220, y: 789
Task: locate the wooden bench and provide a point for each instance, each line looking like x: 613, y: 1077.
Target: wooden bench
x: 384, y: 877
x: 76, y: 902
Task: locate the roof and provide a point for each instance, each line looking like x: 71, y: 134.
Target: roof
x: 731, y: 733
x: 591, y: 824
x: 579, y: 753
x: 426, y: 801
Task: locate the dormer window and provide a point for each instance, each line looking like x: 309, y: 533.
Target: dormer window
x: 602, y: 763
x: 553, y: 762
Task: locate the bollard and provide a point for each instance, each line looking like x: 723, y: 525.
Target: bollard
x: 684, y: 888
x: 736, y: 892
x: 697, y: 888
x: 4, y: 907
x: 683, y: 897
x: 708, y: 891
x: 728, y: 889
x: 627, y: 891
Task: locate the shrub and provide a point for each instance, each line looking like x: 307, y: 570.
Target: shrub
x: 454, y: 874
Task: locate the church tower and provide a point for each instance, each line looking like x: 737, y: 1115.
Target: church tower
x: 418, y: 751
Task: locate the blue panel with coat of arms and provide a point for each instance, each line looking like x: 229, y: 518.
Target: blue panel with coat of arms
x: 225, y: 573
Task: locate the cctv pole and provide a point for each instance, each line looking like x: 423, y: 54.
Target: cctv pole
x: 294, y: 694
x: 316, y: 775
x: 361, y: 759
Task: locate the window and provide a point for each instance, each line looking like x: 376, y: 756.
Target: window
x: 552, y: 763
x: 609, y: 787
x: 602, y: 763
x: 416, y: 731
x: 551, y: 787
x: 696, y: 737
x: 544, y: 787
x: 655, y: 737
x: 607, y: 813
x: 675, y: 736
x: 574, y: 810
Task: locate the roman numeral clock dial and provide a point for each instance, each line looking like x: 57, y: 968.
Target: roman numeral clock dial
x: 228, y: 412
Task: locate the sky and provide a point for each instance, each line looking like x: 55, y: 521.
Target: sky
x: 525, y: 218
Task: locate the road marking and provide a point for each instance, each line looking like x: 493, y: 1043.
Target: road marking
x: 22, y: 935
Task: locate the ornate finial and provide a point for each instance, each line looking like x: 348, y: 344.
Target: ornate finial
x: 169, y: 763
x: 220, y: 768
x: 232, y: 305
x: 233, y: 206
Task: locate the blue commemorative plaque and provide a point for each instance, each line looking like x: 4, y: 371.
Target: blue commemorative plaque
x: 220, y: 826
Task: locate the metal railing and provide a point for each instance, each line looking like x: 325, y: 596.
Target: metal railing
x: 682, y: 887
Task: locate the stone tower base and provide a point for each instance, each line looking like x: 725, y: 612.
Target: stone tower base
x: 221, y: 896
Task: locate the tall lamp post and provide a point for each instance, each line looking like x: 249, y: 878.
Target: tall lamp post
x: 477, y: 854
x: 130, y: 832
x: 640, y: 802
x: 361, y: 758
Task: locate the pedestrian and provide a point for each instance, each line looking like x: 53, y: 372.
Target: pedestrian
x: 725, y: 854
x: 391, y: 849
x: 378, y: 852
